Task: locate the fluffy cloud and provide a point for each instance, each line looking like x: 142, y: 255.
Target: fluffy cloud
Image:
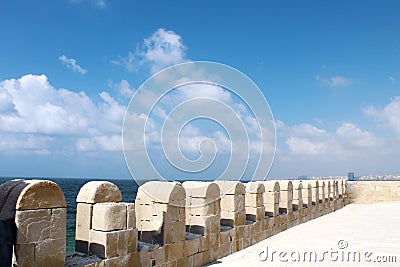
x: 388, y: 116
x: 308, y: 140
x: 100, y: 3
x: 25, y: 142
x: 220, y: 100
x: 123, y: 88
x: 162, y: 49
x: 351, y: 137
x: 71, y: 64
x: 37, y: 115
x: 304, y: 146
x: 306, y: 149
x: 335, y: 81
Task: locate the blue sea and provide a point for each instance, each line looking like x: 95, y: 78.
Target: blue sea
x: 71, y: 186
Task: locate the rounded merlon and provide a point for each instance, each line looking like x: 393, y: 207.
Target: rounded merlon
x: 98, y: 192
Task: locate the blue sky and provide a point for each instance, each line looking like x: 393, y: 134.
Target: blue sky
x: 329, y: 70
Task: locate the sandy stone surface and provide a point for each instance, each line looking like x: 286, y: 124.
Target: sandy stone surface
x: 98, y: 192
x: 366, y: 234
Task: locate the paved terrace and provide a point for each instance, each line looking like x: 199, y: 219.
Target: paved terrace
x: 357, y: 228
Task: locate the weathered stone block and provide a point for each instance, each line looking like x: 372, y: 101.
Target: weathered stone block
x: 58, y: 223
x: 254, y: 200
x: 213, y: 241
x: 233, y: 218
x: 24, y: 255
x: 225, y: 237
x: 145, y: 258
x: 239, y: 232
x: 130, y: 216
x: 196, y: 220
x: 174, y: 213
x: 127, y: 241
x: 103, y: 244
x: 162, y: 192
x: 199, y: 189
x: 109, y: 216
x: 271, y: 209
x: 212, y: 224
x: 174, y: 231
x: 204, y: 245
x: 154, y: 225
x: 99, y: 191
x: 201, y: 207
x: 255, y: 214
x: 214, y: 253
x: 191, y: 247
x: 225, y: 250
x: 115, y: 262
x: 158, y: 255
x: 149, y: 217
x: 201, y: 258
x: 231, y: 187
x: 40, y: 194
x: 33, y: 225
x: 50, y: 253
x: 83, y: 222
x: 174, y: 251
x: 185, y: 262
x: 232, y: 203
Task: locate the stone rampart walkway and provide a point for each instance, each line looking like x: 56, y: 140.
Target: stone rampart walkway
x: 357, y: 235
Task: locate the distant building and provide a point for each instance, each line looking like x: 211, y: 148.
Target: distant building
x: 302, y: 177
x: 351, y: 176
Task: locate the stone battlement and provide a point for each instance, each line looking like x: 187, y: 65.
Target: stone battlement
x: 170, y: 224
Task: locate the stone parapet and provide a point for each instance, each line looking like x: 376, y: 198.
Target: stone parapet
x: 34, y: 211
x: 373, y: 191
x: 170, y: 224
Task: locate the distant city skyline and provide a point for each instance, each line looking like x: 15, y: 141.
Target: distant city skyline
x: 330, y: 72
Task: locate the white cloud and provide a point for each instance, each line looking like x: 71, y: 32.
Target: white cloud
x: 124, y: 88
x: 162, y: 49
x: 25, y: 142
x: 389, y: 115
x: 71, y: 64
x: 305, y: 146
x: 232, y: 115
x: 100, y: 3
x: 130, y: 63
x: 104, y: 142
x: 30, y: 106
x: 392, y: 79
x: 306, y: 149
x: 306, y: 139
x: 335, y: 81
x: 307, y: 130
x: 351, y: 137
x: 193, y: 91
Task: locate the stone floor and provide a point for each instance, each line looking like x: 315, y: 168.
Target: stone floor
x: 357, y: 235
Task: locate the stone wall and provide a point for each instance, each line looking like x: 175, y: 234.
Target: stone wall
x: 194, y: 223
x: 170, y: 224
x: 36, y: 212
x: 374, y: 191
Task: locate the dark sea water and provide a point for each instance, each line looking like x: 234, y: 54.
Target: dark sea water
x: 71, y: 186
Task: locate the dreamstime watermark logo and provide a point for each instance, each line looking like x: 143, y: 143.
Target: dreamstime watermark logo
x: 198, y: 121
x: 340, y: 254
